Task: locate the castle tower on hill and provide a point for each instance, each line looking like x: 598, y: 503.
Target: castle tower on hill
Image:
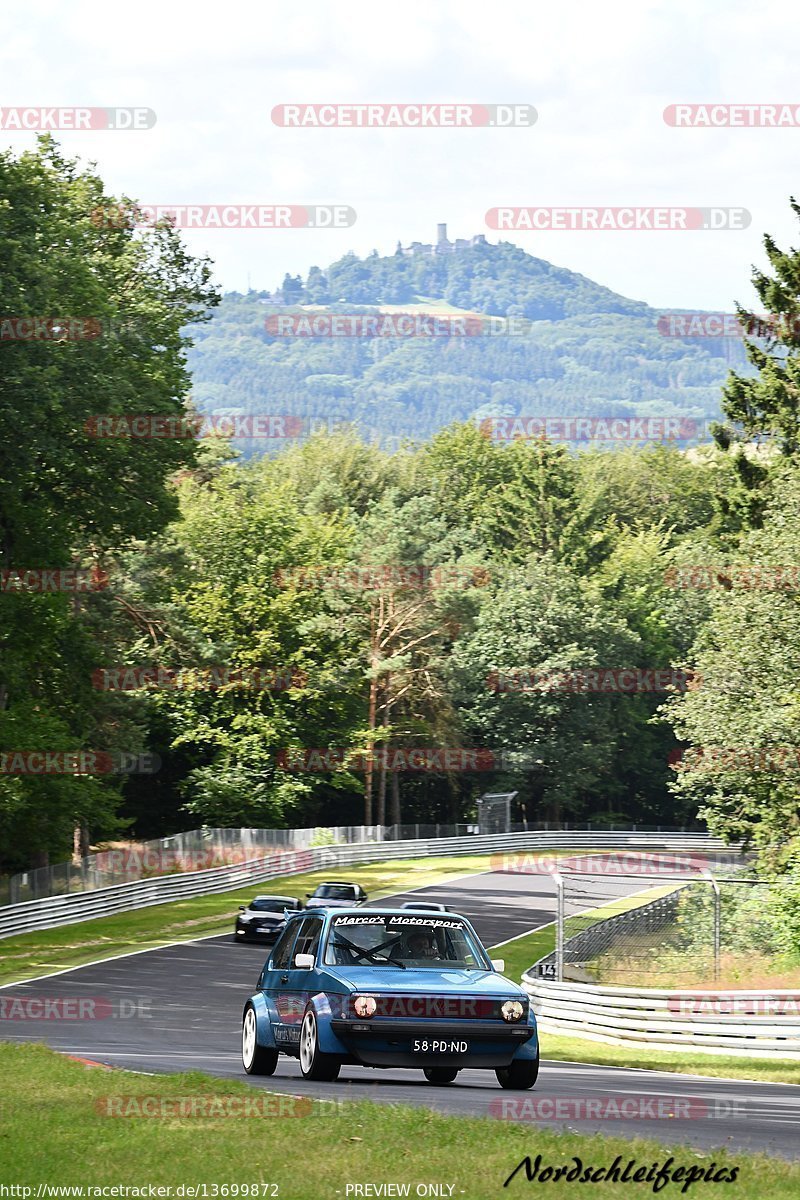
x: 442, y: 245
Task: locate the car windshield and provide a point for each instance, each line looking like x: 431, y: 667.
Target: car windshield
x: 383, y: 939
x: 335, y: 891
x: 271, y: 904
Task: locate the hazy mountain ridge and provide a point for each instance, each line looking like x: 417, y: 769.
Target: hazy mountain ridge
x: 587, y: 352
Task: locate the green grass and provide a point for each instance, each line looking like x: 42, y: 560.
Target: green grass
x: 55, y: 1131
x: 525, y: 950
x: 570, y: 1049
x: 30, y: 954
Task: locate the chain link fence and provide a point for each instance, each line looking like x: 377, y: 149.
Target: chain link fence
x: 706, y: 922
x: 194, y: 850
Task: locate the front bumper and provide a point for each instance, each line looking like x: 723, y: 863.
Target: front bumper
x: 389, y: 1043
x: 259, y: 933
x: 483, y: 1031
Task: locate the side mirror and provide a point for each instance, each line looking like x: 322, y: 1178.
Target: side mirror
x: 242, y: 908
x: 499, y: 965
x: 304, y: 961
x: 309, y: 895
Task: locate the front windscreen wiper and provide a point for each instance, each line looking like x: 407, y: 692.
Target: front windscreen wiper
x: 369, y: 955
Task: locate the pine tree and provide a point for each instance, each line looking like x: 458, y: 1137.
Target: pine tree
x: 764, y: 410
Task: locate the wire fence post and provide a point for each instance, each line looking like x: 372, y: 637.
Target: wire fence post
x: 559, y: 926
x: 717, y: 914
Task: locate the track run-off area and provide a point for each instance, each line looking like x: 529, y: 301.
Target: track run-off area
x: 179, y: 1008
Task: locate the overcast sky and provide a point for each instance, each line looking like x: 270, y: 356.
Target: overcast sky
x: 599, y: 76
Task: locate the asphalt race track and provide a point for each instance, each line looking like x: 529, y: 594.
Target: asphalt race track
x: 187, y: 999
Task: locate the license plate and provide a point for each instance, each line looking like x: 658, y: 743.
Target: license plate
x: 443, y: 1046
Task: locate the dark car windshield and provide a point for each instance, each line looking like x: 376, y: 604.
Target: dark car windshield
x: 272, y: 904
x: 335, y: 891
x: 381, y: 939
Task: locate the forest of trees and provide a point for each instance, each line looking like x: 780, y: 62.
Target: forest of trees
x: 343, y: 598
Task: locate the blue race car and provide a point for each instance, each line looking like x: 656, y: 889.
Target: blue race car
x: 388, y: 987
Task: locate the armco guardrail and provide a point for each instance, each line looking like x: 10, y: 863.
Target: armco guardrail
x: 82, y: 906
x: 755, y: 1024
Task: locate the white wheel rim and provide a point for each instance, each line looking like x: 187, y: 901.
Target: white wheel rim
x: 249, y: 1038
x: 307, y: 1039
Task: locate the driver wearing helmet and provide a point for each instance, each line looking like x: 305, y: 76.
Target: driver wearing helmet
x: 420, y: 943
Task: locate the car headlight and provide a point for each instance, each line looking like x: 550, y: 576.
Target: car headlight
x: 513, y: 1010
x: 364, y: 1005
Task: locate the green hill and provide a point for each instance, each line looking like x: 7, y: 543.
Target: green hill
x: 585, y: 350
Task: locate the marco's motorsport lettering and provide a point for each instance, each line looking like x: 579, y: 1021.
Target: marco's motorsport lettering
x: 393, y: 922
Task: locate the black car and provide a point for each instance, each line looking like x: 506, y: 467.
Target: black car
x: 336, y: 893
x: 264, y: 918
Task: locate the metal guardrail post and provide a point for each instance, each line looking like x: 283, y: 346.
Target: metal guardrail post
x: 559, y: 926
